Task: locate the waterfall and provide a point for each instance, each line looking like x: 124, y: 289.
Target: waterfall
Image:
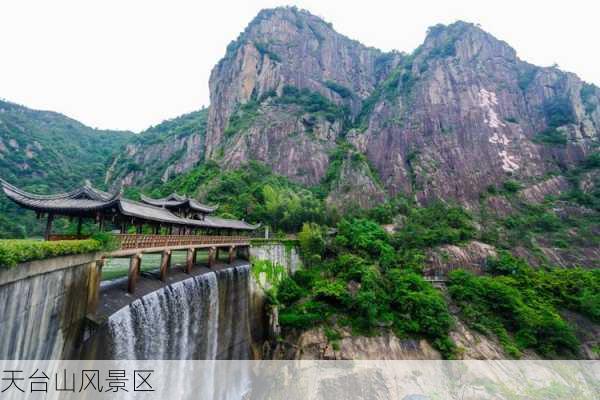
x: 204, y: 317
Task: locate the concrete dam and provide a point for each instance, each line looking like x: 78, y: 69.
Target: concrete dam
x: 213, y: 313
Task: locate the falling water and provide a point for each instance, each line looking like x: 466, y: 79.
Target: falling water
x: 200, y: 318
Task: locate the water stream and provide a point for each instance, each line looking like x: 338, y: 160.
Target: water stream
x: 202, y: 318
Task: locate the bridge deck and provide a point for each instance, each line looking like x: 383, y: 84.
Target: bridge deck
x: 114, y: 295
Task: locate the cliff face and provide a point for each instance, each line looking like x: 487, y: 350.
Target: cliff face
x: 463, y: 113
x: 286, y: 47
x: 171, y: 147
x: 459, y: 114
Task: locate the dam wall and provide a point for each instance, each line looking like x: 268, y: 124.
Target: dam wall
x: 43, y: 306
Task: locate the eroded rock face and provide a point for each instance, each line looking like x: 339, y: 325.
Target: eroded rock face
x: 460, y: 114
x: 471, y: 256
x: 551, y: 187
x: 355, y: 186
x: 466, y: 114
x: 286, y: 47
x: 172, y: 147
x: 313, y: 345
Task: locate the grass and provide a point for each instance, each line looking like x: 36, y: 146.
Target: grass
x: 13, y: 252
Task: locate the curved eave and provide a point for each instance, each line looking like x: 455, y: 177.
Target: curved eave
x: 87, y: 191
x: 224, y: 223
x: 164, y: 202
x: 196, y: 206
x: 147, y: 212
x: 7, y: 187
x: 67, y: 206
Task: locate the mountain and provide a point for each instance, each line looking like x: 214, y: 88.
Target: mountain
x: 52, y: 151
x: 460, y: 114
x: 45, y: 151
x: 459, y: 156
x: 160, y: 152
x: 460, y: 120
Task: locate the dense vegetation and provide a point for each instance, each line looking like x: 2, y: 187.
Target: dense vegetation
x: 154, y: 143
x: 368, y: 280
x: 43, y: 151
x: 13, y: 252
x: 253, y: 193
x: 522, y: 305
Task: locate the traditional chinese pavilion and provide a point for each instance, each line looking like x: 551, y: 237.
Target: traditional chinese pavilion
x: 172, y: 214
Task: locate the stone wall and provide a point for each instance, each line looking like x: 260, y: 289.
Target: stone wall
x: 44, y: 304
x: 285, y: 253
x: 285, y: 260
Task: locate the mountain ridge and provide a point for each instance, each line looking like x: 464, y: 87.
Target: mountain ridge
x: 458, y: 69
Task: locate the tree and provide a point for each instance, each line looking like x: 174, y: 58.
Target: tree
x: 312, y: 244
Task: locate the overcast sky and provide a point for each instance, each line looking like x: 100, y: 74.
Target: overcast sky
x: 128, y: 64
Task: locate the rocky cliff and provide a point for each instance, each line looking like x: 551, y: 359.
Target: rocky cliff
x: 283, y: 48
x: 160, y: 152
x: 461, y: 113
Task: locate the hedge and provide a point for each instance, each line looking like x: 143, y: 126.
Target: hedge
x: 13, y: 252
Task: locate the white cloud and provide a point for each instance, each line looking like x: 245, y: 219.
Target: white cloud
x: 127, y: 64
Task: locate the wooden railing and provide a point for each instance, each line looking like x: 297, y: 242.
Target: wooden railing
x: 134, y: 241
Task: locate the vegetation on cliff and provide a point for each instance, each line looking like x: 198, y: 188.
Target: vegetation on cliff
x: 43, y: 152
x: 252, y: 192
x: 368, y: 280
x: 521, y: 305
x: 361, y: 279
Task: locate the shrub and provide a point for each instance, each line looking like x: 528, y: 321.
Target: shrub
x: 263, y: 49
x: 288, y: 291
x: 526, y: 77
x: 505, y: 264
x: 333, y: 292
x: 434, y: 225
x: 551, y: 136
x: 559, y: 112
x: 305, y: 315
x: 511, y: 186
x: 587, y: 94
x: 343, y: 91
x: 592, y: 161
x: 516, y: 313
x: 419, y: 309
x: 313, y: 102
x: 13, y: 252
x: 312, y: 244
x: 242, y: 118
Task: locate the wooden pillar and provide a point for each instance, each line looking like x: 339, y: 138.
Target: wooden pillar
x: 231, y: 254
x: 165, y: 263
x: 134, y: 271
x: 211, y: 257
x: 94, y: 286
x: 189, y: 261
x: 79, y: 222
x: 244, y: 252
x: 49, y: 226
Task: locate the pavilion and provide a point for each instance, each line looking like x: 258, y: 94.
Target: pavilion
x: 172, y: 214
x: 181, y: 206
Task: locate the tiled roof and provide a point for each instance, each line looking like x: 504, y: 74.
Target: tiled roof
x: 86, y: 201
x: 176, y: 201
